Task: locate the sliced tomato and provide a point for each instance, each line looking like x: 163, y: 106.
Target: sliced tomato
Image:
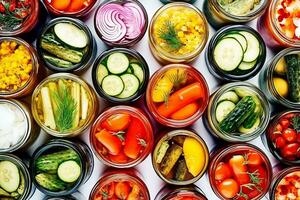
x: 135, y: 139
x: 122, y: 189
x: 109, y: 141
x: 289, y: 135
x: 223, y: 171
x: 239, y: 168
x: 117, y: 122
x: 229, y: 188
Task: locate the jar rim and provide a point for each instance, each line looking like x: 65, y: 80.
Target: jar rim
x: 128, y: 51
x: 26, y: 116
x: 270, y: 72
x: 124, y: 44
x: 35, y: 65
x: 77, y: 79
x: 169, y: 135
x: 167, y: 55
x: 136, y: 112
x: 235, y: 137
x: 87, y: 57
x: 192, y: 189
x: 170, y: 122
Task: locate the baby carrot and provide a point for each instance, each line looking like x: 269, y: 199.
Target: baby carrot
x: 185, y: 112
x: 180, y: 98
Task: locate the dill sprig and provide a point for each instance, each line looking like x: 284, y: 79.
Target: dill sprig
x: 66, y: 109
x: 296, y: 123
x: 169, y: 34
x: 8, y: 21
x: 177, y: 78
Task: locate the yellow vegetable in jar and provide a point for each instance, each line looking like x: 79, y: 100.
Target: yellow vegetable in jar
x: 194, y: 155
x: 280, y: 67
x: 281, y: 86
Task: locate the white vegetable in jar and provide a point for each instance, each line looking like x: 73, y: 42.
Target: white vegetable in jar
x: 13, y: 125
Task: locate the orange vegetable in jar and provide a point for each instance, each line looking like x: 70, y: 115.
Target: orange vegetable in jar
x: 76, y: 5
x: 61, y: 4
x: 185, y: 112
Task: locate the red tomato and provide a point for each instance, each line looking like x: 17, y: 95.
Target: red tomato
x: 122, y: 190
x: 280, y: 142
x: 289, y: 135
x: 298, y: 137
x: 120, y: 158
x: 239, y: 168
x: 107, y: 191
x: 278, y: 127
x: 76, y: 5
x: 229, y: 188
x: 285, y: 123
x: 254, y: 159
x: 289, y: 116
x: 290, y: 150
x: 116, y: 122
x: 223, y: 171
x: 134, y: 140
x: 109, y: 141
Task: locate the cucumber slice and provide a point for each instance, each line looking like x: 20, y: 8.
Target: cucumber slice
x: 71, y: 35
x: 223, y: 109
x: 253, y: 49
x: 244, y: 130
x: 131, y: 85
x: 247, y: 65
x: 229, y: 96
x: 101, y: 73
x: 57, y: 61
x: 242, y: 92
x: 117, y: 63
x: 138, y: 71
x: 112, y: 85
x: 240, y: 38
x: 9, y: 176
x: 228, y: 54
x: 69, y: 171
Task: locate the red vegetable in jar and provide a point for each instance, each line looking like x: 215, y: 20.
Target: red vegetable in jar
x: 122, y: 136
x: 240, y: 171
x: 283, y: 137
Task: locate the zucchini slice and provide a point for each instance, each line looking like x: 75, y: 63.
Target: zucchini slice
x: 244, y: 130
x: 253, y: 49
x: 247, y: 65
x: 131, y: 85
x: 101, y: 73
x: 228, y: 54
x: 69, y: 171
x: 223, y: 109
x: 112, y: 85
x: 9, y: 176
x: 240, y: 38
x: 138, y: 71
x: 117, y: 63
x: 229, y: 96
x: 71, y: 35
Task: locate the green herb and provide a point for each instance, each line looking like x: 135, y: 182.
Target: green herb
x: 296, y: 123
x: 142, y: 142
x: 170, y: 36
x: 120, y: 135
x: 8, y: 20
x: 66, y: 108
x: 254, y: 177
x: 104, y: 194
x: 178, y: 78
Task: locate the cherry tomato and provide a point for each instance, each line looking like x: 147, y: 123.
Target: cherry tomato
x: 223, y: 171
x: 254, y: 159
x: 122, y: 190
x: 289, y: 135
x: 285, y: 123
x: 229, y: 188
x: 116, y: 122
x: 239, y: 168
x: 278, y: 127
x: 280, y: 142
x: 2, y: 8
x: 298, y: 137
x: 289, y: 116
x: 275, y: 135
x: 290, y: 150
x: 111, y: 142
x: 107, y: 191
x: 120, y: 158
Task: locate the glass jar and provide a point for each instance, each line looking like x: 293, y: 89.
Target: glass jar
x: 163, y: 88
x: 136, y: 189
x: 190, y: 156
x: 25, y: 189
x: 271, y: 25
x: 223, y: 102
x: 219, y: 16
x: 242, y: 70
x: 50, y: 157
x: 187, y: 27
x: 128, y: 133
x: 171, y: 1
x: 66, y: 54
x: 19, y: 131
x: 121, y: 23
x: 281, y: 137
x: 133, y: 64
x: 273, y: 79
x: 285, y: 184
x: 180, y: 192
x: 56, y: 102
x: 253, y: 181
x: 29, y: 72
x: 75, y: 196
x: 25, y: 23
x: 70, y: 10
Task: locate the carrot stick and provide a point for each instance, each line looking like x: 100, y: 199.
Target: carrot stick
x: 180, y: 98
x: 185, y: 112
